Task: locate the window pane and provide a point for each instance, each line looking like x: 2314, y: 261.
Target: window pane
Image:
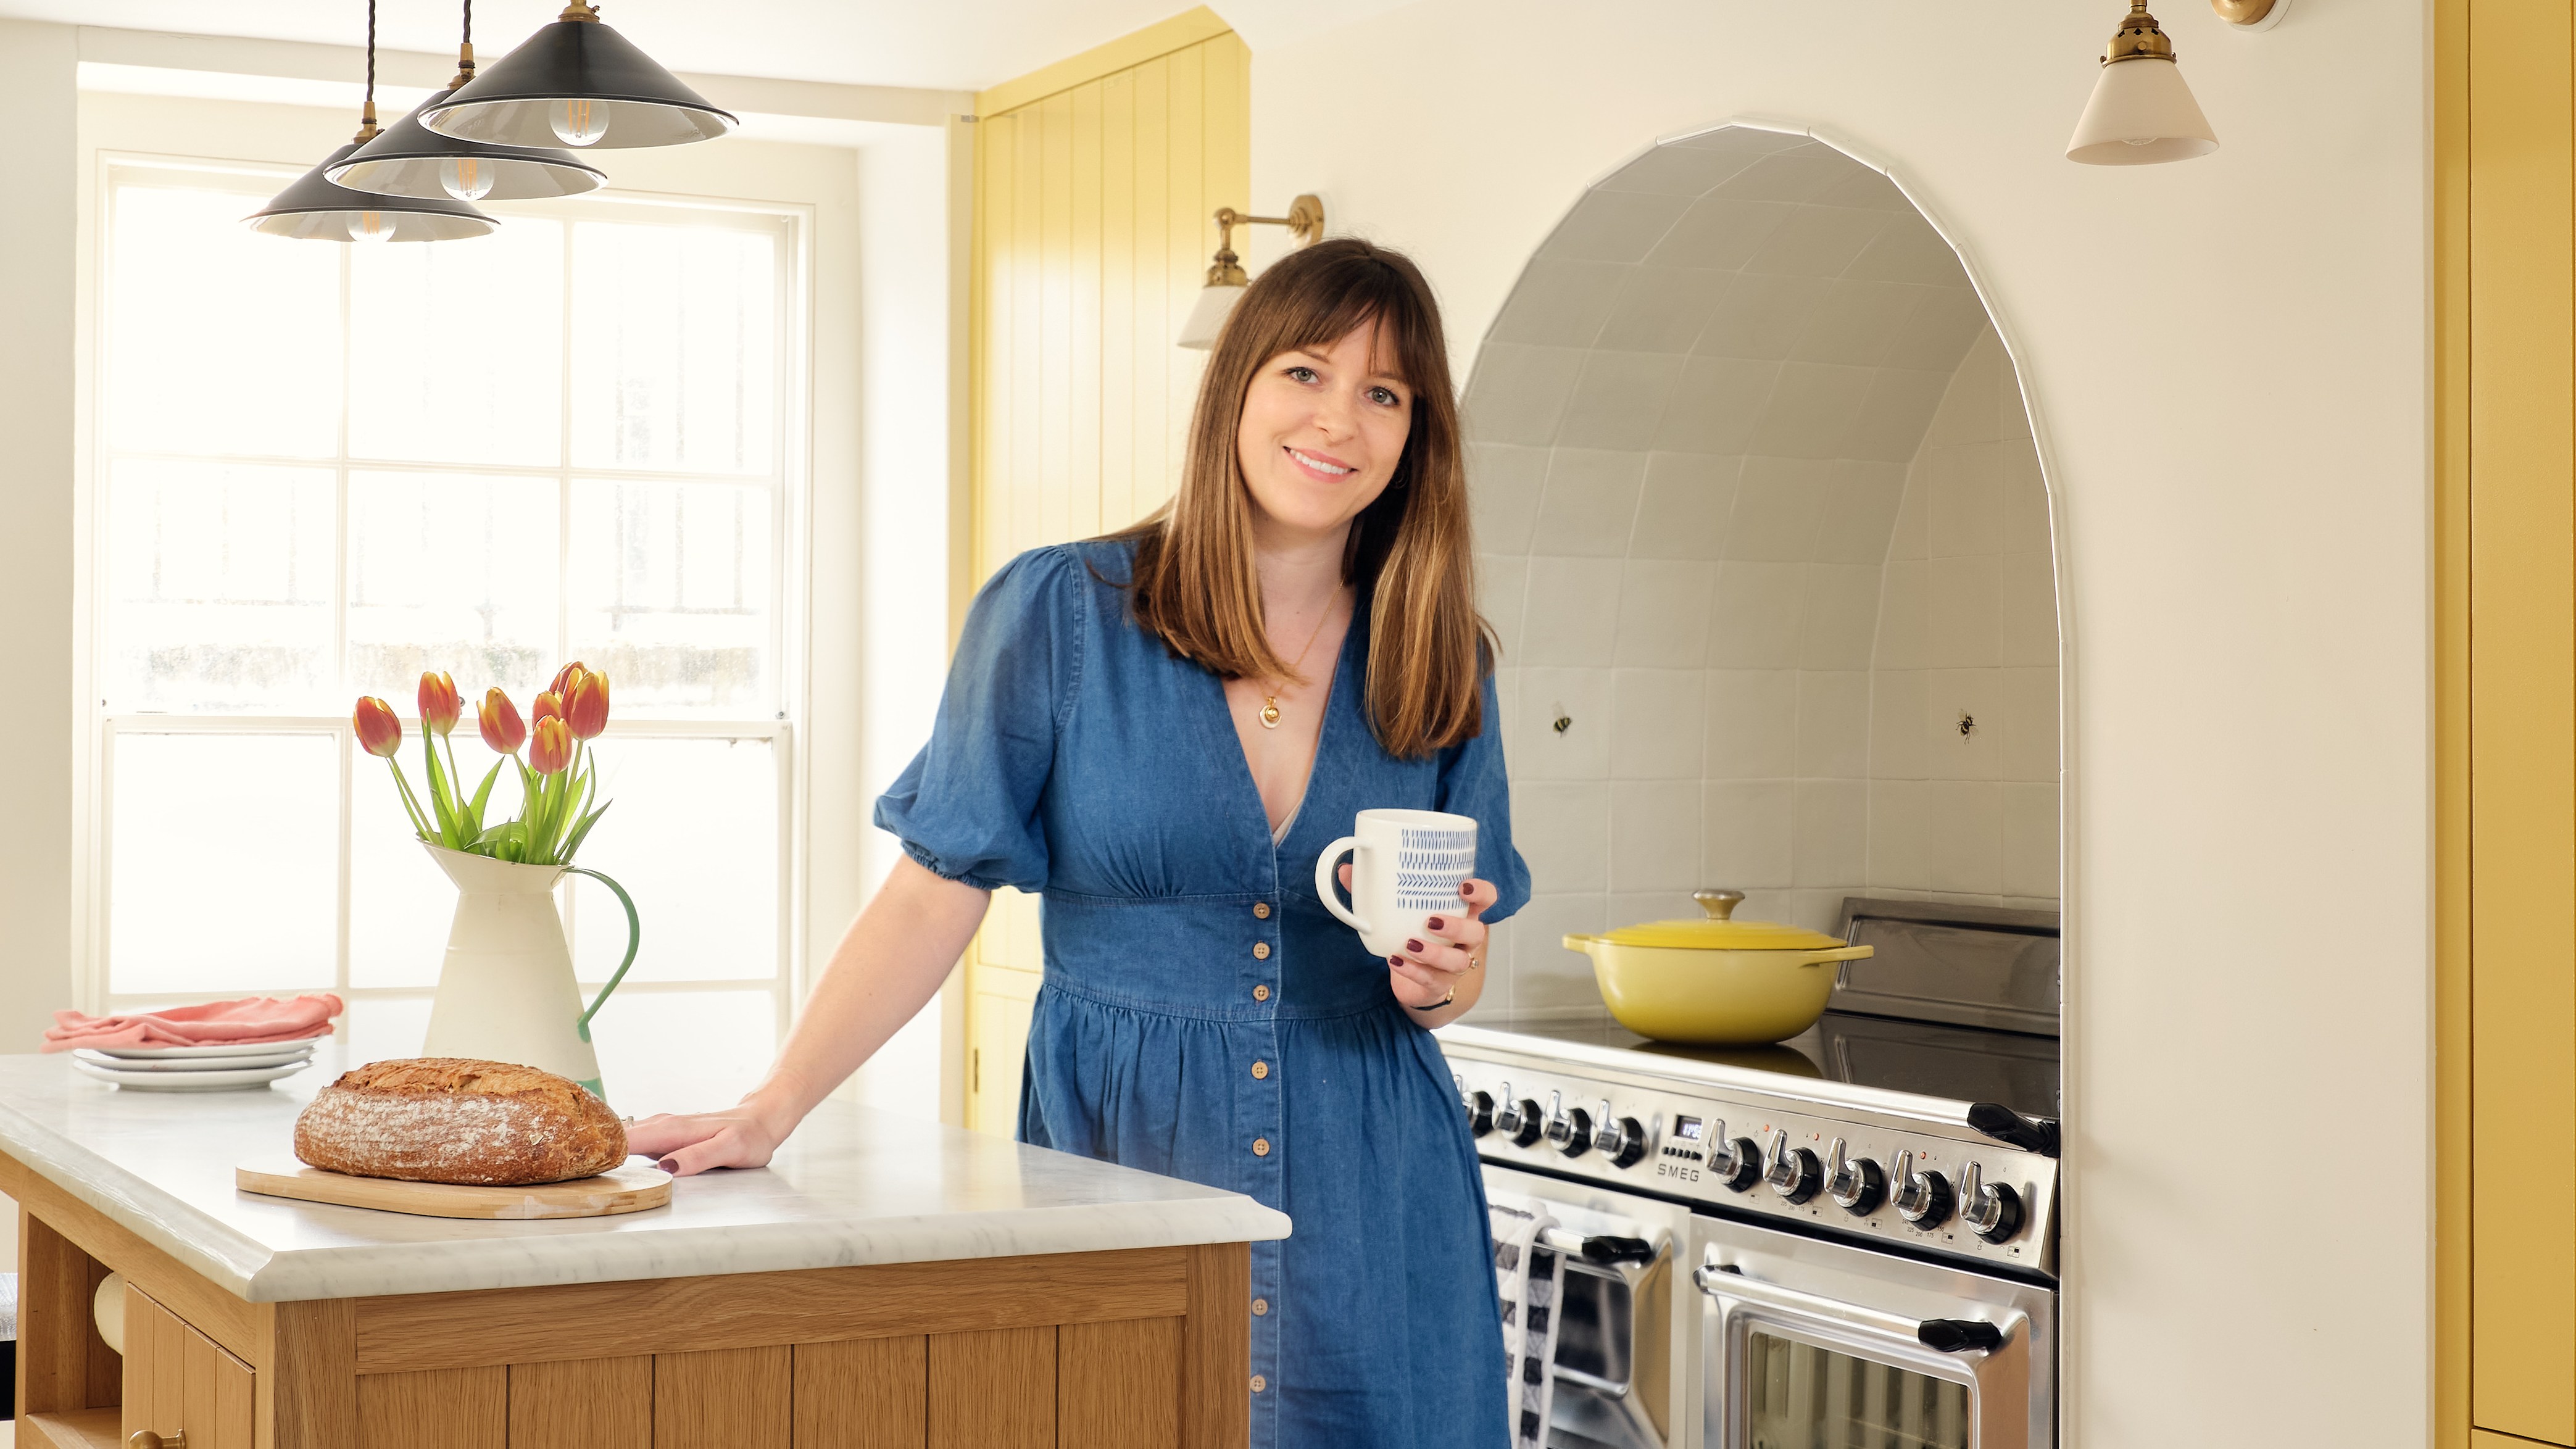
x: 683, y: 1051
x: 693, y: 836
x: 674, y: 347
x: 220, y: 586
x: 225, y: 859
x: 458, y: 348
x: 452, y: 573
x: 218, y: 339
x: 670, y: 592
x: 379, y: 1029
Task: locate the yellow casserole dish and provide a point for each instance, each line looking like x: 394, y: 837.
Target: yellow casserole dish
x: 1717, y: 981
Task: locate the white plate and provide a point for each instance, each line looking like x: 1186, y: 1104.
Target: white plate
x: 148, y: 1081
x: 189, y: 1064
x: 220, y: 1049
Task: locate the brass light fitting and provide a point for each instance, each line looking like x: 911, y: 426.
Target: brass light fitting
x: 2141, y: 113
x: 1226, y: 278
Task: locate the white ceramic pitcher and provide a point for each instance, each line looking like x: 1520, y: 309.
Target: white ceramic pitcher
x: 507, y: 993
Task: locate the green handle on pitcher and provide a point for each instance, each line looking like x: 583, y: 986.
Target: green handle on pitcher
x: 634, y: 939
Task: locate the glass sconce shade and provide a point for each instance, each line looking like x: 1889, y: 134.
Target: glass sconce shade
x: 2141, y: 113
x: 312, y: 208
x: 1207, y: 315
x: 410, y: 159
x: 576, y: 82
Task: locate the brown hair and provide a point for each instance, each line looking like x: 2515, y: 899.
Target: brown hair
x: 1411, y: 549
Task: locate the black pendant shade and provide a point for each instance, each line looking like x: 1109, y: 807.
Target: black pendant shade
x: 313, y: 209
x: 572, y: 78
x: 410, y: 159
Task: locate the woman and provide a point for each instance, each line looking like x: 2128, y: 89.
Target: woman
x: 1161, y: 730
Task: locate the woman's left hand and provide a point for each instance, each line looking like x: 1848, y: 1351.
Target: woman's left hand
x: 1444, y: 961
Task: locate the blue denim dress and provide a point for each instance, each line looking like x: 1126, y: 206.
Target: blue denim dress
x: 1202, y: 1015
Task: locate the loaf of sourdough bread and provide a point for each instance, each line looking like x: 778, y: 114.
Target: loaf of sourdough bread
x: 448, y: 1119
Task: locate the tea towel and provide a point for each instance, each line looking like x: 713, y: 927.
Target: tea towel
x: 1528, y: 1275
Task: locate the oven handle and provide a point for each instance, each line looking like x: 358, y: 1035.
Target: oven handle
x: 1944, y: 1335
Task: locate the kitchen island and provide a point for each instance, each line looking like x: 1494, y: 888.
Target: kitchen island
x: 884, y: 1282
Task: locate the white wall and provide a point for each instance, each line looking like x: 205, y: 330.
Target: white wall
x: 2226, y: 361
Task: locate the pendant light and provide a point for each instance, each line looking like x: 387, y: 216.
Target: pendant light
x: 410, y: 159
x: 312, y: 208
x: 2141, y: 112
x: 577, y: 82
x: 1226, y: 279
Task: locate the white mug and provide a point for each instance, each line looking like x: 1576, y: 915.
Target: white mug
x: 1406, y: 866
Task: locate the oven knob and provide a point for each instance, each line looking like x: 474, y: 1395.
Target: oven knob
x: 1737, y: 1164
x: 1621, y: 1140
x: 1568, y: 1132
x: 1857, y: 1185
x: 1922, y: 1198
x: 1991, y: 1212
x: 1794, y: 1172
x: 1480, y: 1113
x: 1518, y: 1119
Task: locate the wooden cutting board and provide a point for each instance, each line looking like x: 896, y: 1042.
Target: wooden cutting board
x: 627, y: 1189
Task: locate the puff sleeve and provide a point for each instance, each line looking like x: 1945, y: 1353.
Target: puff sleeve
x: 1472, y: 783
x: 967, y: 807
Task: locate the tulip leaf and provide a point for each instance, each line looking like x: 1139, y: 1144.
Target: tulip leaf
x: 573, y: 841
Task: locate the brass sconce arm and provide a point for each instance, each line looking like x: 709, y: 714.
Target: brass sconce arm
x: 1305, y: 222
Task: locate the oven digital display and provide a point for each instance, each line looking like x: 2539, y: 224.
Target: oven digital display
x: 1686, y: 1128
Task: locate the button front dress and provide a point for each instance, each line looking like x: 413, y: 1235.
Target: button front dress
x: 1202, y: 1015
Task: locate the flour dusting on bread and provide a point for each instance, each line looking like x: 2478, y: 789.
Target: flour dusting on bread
x: 449, y: 1119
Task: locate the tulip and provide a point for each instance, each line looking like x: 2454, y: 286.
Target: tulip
x: 549, y: 706
x: 439, y: 705
x: 503, y: 730
x: 586, y: 708
x: 565, y: 677
x: 379, y: 728
x: 550, y: 746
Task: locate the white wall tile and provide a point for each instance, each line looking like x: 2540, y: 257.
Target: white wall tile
x: 1909, y: 250
x: 1613, y: 226
x: 1719, y: 232
x: 1964, y: 500
x: 1580, y: 751
x: 2030, y: 840
x: 1745, y: 839
x: 1503, y: 484
x: 1661, y: 309
x: 1563, y: 830
x: 1898, y: 749
x: 1635, y: 908
x: 1896, y: 412
x: 1654, y: 836
x: 1761, y: 316
x: 1664, y: 608
x: 1590, y: 501
x: 1968, y: 408
x: 1752, y: 724
x: 1546, y: 977
x: 1830, y: 834
x: 1816, y: 910
x: 1840, y: 622
x: 1502, y: 588
x: 1779, y: 507
x: 1801, y: 173
x: 1912, y: 536
x: 1619, y: 400
x: 1755, y: 622
x: 1858, y: 322
x: 1687, y: 500
x: 1966, y: 836
x: 1833, y: 724
x: 1900, y: 835
x: 1864, y: 188
x: 1817, y: 241
x: 1518, y: 393
x: 2026, y: 745
x: 1659, y: 724
x: 1714, y: 407
x: 1960, y: 630
x: 1904, y: 611
x: 2025, y: 609
x: 1860, y: 512
x: 1812, y: 411
x: 1573, y: 614
x: 1678, y: 170
x: 1947, y: 694
x: 1559, y: 303
x: 1937, y: 335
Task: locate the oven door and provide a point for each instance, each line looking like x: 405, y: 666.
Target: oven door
x: 1627, y: 1362
x: 1818, y: 1345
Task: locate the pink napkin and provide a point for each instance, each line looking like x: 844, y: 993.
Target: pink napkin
x: 251, y: 1019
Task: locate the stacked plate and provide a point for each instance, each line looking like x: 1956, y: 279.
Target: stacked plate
x: 195, y: 1068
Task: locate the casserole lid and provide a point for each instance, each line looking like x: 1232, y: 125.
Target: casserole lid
x: 1721, y: 932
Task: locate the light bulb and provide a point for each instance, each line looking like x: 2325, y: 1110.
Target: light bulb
x: 371, y: 226
x: 579, y: 121
x: 467, y: 178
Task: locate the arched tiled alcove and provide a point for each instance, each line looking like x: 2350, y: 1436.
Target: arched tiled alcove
x: 1759, y: 521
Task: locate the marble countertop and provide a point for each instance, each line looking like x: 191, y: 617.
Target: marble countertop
x: 852, y: 1186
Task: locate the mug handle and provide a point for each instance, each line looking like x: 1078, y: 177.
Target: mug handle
x: 1329, y: 890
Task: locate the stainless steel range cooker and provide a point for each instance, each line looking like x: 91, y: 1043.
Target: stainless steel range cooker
x: 1846, y: 1240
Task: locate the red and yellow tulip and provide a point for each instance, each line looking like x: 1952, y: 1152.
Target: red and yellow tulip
x: 556, y: 783
x: 503, y: 730
x: 439, y: 706
x: 379, y: 728
x: 550, y: 746
x: 586, y: 708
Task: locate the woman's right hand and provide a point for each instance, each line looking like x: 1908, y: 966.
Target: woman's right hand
x: 685, y: 1144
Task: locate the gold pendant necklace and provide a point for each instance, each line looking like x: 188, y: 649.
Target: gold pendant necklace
x: 1270, y: 701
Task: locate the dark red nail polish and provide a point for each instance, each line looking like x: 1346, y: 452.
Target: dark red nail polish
x: 1436, y: 924
x: 1466, y: 892
x: 1414, y: 946
x: 1395, y: 960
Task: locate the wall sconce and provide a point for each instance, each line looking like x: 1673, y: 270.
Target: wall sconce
x: 2141, y: 112
x: 1225, y: 277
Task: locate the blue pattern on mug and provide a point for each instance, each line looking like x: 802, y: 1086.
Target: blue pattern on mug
x: 1430, y: 866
